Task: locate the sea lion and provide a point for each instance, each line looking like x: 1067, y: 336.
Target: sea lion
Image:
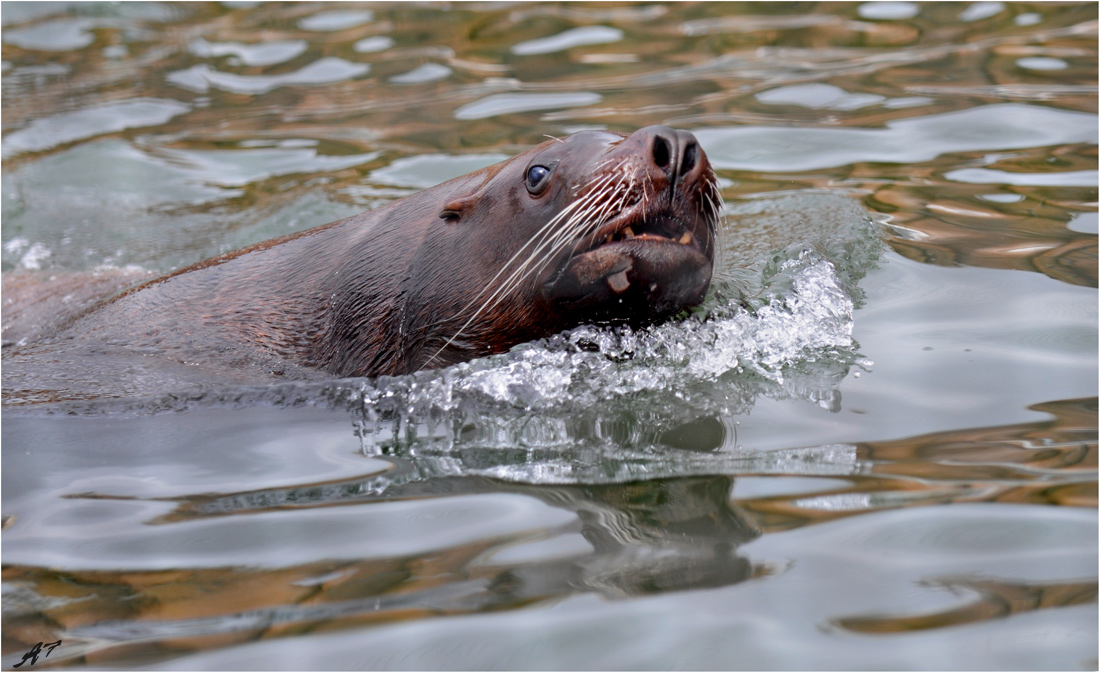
x: 597, y: 227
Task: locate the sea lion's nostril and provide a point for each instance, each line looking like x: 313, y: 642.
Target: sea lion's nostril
x: 662, y: 153
x: 690, y: 152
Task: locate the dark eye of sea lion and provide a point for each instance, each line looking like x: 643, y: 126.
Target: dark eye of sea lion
x: 537, y: 179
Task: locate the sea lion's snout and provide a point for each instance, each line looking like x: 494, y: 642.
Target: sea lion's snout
x: 649, y: 251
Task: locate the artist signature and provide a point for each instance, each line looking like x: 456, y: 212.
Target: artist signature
x: 35, y: 651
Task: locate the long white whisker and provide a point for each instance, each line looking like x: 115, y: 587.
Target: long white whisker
x: 540, y: 241
x: 532, y: 241
x: 585, y: 222
x: 575, y: 228
x: 550, y: 240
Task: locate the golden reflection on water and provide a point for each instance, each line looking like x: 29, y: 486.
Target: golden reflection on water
x: 992, y: 600
x: 1046, y: 462
x: 639, y: 538
x: 693, y: 65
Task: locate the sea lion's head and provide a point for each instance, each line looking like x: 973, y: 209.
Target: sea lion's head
x: 631, y: 222
x: 596, y: 227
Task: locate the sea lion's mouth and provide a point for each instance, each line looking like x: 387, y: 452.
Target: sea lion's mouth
x: 660, y: 228
x: 637, y: 267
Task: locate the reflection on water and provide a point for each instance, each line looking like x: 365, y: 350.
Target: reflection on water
x: 993, y: 600
x: 621, y: 541
x: 850, y: 457
x: 422, y: 536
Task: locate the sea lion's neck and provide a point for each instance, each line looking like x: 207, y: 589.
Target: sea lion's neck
x: 268, y: 302
x: 364, y: 326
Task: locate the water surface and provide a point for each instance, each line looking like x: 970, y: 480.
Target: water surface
x: 873, y: 447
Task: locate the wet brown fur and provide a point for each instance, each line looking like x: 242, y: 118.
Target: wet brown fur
x: 393, y: 290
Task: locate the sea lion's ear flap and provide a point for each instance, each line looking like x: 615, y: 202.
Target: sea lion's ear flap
x: 454, y: 210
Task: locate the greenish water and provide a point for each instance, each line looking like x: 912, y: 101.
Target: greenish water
x: 874, y: 448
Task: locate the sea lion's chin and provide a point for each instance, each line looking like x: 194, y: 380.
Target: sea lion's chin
x: 637, y: 272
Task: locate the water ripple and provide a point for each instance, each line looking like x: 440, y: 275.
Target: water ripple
x: 201, y: 78
x: 47, y: 132
x: 265, y: 53
x: 575, y: 37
